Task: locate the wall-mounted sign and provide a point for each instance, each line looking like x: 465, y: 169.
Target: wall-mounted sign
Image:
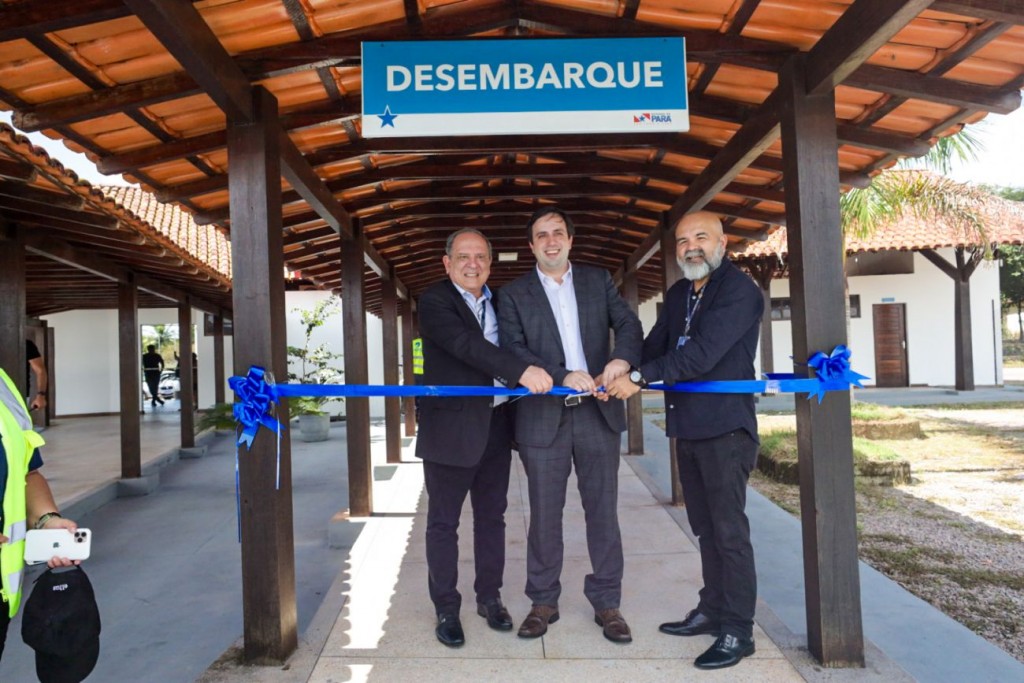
x: 888, y: 299
x: 515, y: 86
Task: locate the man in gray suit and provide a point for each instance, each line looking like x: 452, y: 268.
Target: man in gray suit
x: 557, y: 317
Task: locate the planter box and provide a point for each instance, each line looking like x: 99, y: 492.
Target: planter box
x: 314, y: 427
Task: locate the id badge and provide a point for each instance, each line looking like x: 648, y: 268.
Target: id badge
x: 682, y: 342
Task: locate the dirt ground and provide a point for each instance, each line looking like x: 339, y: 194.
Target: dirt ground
x: 954, y: 536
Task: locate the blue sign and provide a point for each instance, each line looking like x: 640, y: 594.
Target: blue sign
x: 515, y: 86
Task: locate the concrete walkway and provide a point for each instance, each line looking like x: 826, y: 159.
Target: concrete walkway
x: 166, y: 570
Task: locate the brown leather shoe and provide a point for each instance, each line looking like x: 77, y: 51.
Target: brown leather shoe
x: 614, y: 625
x: 536, y: 622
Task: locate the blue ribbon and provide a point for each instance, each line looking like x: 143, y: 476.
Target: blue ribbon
x: 256, y: 396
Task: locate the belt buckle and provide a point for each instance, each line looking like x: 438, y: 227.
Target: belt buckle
x: 573, y: 400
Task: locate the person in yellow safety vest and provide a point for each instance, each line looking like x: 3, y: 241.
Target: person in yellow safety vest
x: 25, y: 498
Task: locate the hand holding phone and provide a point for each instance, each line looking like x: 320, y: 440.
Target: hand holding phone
x: 42, y: 544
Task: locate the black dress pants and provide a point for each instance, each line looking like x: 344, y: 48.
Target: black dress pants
x: 487, y: 486
x: 714, y: 474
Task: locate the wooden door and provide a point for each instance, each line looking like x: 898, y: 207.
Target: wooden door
x: 890, y: 322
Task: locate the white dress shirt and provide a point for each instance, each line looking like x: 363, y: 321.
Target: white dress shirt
x: 483, y: 310
x: 562, y: 298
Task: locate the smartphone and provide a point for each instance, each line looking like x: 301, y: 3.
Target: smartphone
x: 42, y: 544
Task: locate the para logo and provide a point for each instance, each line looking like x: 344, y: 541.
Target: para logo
x: 648, y: 118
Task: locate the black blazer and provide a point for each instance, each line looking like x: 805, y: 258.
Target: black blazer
x: 722, y: 344
x: 454, y: 431
x: 529, y: 329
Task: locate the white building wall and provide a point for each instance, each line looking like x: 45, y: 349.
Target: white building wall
x: 86, y: 363
x: 333, y: 334
x: 928, y: 296
x: 87, y: 354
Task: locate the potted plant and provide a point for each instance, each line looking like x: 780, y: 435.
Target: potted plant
x: 311, y: 364
x: 219, y: 417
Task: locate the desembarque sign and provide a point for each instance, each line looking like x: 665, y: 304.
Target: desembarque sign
x: 516, y: 86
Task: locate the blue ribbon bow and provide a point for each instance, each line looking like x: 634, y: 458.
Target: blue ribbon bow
x: 255, y: 399
x: 833, y: 372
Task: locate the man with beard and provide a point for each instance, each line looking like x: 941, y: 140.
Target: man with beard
x: 708, y: 331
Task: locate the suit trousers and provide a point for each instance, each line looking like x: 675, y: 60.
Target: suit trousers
x: 487, y: 486
x: 583, y: 441
x: 714, y: 474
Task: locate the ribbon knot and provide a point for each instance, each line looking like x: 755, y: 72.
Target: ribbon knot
x: 833, y: 371
x: 255, y: 399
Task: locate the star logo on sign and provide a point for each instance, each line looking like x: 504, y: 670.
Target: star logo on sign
x: 387, y: 118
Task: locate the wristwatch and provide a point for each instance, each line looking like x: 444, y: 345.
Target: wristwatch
x: 636, y: 378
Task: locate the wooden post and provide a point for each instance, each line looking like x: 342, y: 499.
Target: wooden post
x: 218, y: 358
x: 635, y: 405
x: 763, y: 271
x: 357, y: 410
x: 824, y: 432
x: 963, y: 341
x: 12, y: 312
x: 392, y: 404
x: 408, y: 334
x: 670, y: 274
x: 186, y: 375
x: 268, y: 547
x: 129, y: 362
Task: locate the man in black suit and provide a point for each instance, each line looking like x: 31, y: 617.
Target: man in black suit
x: 558, y: 316
x: 465, y: 442
x: 708, y: 331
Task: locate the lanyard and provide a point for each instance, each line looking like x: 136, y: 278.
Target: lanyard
x: 691, y: 313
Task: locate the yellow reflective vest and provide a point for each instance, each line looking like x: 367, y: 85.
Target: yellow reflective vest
x: 20, y: 441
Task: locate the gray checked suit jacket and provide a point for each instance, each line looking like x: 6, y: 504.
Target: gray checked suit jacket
x: 527, y: 327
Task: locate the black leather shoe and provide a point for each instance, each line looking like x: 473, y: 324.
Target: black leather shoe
x: 449, y: 630
x: 728, y: 650
x: 694, y: 624
x: 495, y: 613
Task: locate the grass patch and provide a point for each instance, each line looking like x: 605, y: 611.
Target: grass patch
x: 781, y: 445
x: 871, y: 412
x: 653, y: 411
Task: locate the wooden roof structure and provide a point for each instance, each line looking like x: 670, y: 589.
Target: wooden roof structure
x: 114, y: 79
x: 81, y: 240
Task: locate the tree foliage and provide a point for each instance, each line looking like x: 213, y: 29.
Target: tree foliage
x: 315, y: 362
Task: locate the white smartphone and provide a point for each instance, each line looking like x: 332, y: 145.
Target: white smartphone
x: 42, y: 544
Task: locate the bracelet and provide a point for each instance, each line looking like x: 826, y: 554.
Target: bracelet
x: 43, y: 519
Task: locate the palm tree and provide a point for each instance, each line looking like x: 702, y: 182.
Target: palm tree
x: 929, y: 197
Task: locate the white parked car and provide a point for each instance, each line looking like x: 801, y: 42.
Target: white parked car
x: 169, y: 385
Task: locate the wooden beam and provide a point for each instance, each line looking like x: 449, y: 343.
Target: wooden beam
x: 15, y: 169
x: 34, y: 18
x: 218, y: 358
x: 670, y: 274
x: 12, y: 312
x: 63, y: 252
x: 634, y: 405
x: 105, y: 101
x: 308, y: 185
x: 268, y: 548
x: 1000, y: 100
x: 188, y: 391
x: 756, y: 135
x: 824, y: 432
x: 97, y: 220
x: 64, y: 200
x: 129, y: 380
x: 1007, y: 11
x: 357, y: 410
x: 963, y: 338
x: 408, y: 378
x: 392, y: 404
x: 863, y: 28
x: 186, y: 35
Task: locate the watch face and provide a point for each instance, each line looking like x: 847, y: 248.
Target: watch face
x: 635, y: 377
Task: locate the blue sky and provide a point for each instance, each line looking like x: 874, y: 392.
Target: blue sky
x: 1001, y: 162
